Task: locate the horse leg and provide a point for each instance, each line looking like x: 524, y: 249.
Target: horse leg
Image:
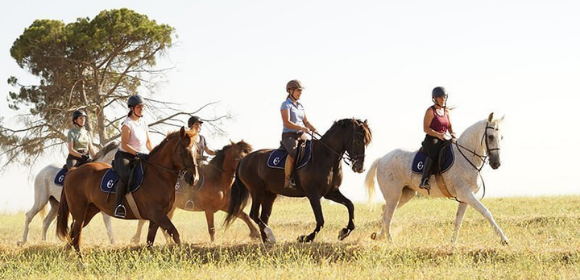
x: 254, y: 232
x: 470, y: 199
x: 151, y: 233
x: 39, y: 204
x: 160, y: 219
x: 135, y: 239
x: 267, y: 203
x: 338, y: 197
x: 107, y: 221
x: 137, y: 236
x: 49, y: 217
x: 317, y: 208
x: 168, y: 239
x: 391, y: 204
x: 458, y: 220
x: 210, y: 224
x: 265, y: 231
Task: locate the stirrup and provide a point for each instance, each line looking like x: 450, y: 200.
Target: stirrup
x: 290, y: 184
x: 425, y: 185
x: 120, y: 211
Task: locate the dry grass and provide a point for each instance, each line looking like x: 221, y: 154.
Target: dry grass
x: 544, y: 236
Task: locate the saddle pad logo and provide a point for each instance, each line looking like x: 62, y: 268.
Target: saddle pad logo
x: 277, y: 158
x: 59, y: 179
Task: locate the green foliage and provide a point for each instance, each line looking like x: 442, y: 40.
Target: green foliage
x: 543, y: 231
x: 90, y: 64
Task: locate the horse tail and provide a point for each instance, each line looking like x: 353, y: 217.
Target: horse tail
x: 370, y: 179
x: 239, y: 196
x: 62, y: 218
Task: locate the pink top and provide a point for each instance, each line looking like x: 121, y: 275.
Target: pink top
x: 439, y: 123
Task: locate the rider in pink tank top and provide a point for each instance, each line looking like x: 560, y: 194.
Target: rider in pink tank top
x: 436, y: 124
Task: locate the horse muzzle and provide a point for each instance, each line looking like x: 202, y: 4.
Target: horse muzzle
x: 189, y: 178
x: 358, y: 167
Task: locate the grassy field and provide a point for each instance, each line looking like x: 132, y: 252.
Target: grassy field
x: 544, y: 235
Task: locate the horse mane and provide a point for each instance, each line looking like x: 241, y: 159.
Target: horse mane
x: 167, y: 138
x: 217, y: 163
x: 364, y: 125
x: 106, y: 149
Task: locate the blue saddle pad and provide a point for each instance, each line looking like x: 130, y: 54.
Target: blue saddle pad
x: 277, y: 158
x: 59, y: 179
x: 419, y: 161
x: 110, y: 177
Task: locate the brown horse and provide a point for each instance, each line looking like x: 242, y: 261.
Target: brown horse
x: 212, y: 193
x: 83, y: 199
x: 320, y: 177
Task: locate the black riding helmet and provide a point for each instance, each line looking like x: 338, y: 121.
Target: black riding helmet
x: 134, y: 100
x: 76, y: 114
x: 438, y: 92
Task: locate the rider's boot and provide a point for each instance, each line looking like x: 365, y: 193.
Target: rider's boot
x: 120, y: 210
x: 426, y: 174
x: 288, y: 183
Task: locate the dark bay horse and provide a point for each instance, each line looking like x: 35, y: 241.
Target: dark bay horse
x: 320, y: 177
x: 212, y: 193
x: 83, y: 199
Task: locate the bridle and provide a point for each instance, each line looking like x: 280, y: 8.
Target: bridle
x: 484, y: 158
x: 350, y: 160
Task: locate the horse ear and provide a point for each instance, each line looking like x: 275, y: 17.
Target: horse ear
x: 232, y: 142
x: 182, y: 131
x: 490, y: 117
x: 366, y: 122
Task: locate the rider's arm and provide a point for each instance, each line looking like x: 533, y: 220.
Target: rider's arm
x: 289, y: 124
x: 450, y: 127
x: 125, y: 136
x: 72, y: 151
x: 309, y: 125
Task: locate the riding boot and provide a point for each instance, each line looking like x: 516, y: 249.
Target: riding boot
x: 120, y: 210
x: 426, y: 174
x: 288, y: 182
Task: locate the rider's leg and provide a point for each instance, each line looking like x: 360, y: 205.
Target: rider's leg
x: 288, y: 172
x: 426, y: 174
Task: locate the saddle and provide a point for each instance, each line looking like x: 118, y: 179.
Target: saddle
x: 277, y: 158
x: 444, y: 162
x: 108, y: 181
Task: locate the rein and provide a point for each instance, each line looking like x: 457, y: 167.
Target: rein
x: 349, y: 160
x: 482, y: 157
x: 180, y: 173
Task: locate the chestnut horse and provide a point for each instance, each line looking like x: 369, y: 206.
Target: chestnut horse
x: 83, y: 199
x: 212, y: 193
x: 46, y: 191
x: 320, y: 177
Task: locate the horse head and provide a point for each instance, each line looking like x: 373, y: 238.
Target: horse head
x: 350, y: 136
x: 493, y: 138
x: 184, y: 159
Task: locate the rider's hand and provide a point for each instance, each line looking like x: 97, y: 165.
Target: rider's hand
x: 142, y: 156
x: 85, y: 157
x: 306, y: 130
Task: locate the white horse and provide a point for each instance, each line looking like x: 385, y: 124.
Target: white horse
x: 45, y: 191
x: 399, y: 184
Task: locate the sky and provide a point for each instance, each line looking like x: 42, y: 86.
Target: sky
x: 374, y: 60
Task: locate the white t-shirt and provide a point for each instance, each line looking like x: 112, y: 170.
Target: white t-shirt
x: 138, y: 138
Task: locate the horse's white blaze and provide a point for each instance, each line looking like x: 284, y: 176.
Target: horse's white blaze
x: 399, y: 184
x: 45, y: 188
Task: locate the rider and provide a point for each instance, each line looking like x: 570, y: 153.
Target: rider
x: 436, y: 124
x: 194, y: 123
x: 80, y: 148
x: 295, y: 125
x: 135, y: 143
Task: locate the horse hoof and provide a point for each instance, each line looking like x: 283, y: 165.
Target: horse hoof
x: 374, y: 236
x: 20, y: 243
x: 344, y: 233
x: 505, y: 242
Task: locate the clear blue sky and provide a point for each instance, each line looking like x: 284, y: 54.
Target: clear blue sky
x: 375, y: 60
